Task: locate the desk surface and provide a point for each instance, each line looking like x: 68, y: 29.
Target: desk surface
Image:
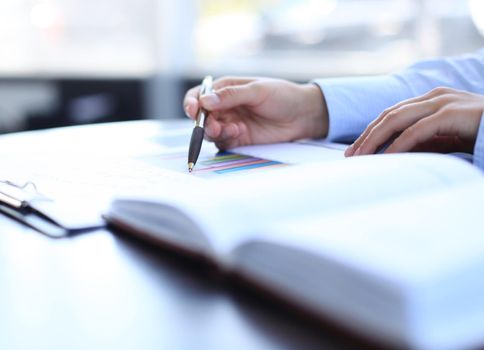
x: 104, y: 290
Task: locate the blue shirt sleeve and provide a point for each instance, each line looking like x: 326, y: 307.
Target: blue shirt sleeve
x: 354, y: 102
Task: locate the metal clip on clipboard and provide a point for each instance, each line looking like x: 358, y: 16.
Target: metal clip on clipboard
x: 25, y: 204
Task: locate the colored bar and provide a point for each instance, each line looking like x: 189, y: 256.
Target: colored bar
x: 231, y: 165
x: 234, y: 162
x: 223, y: 159
x: 247, y: 167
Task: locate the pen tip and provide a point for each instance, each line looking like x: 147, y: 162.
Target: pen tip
x: 190, y: 167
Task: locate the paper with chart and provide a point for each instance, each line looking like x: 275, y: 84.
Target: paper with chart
x: 93, y: 164
x: 212, y: 165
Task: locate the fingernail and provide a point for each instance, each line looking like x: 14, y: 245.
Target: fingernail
x: 210, y: 100
x: 187, y: 111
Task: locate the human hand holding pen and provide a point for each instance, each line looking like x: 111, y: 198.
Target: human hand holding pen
x: 245, y: 111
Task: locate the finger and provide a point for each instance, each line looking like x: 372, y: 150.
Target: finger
x: 227, y: 144
x: 350, y: 151
x: 229, y: 131
x: 230, y: 97
x: 190, y: 102
x: 231, y: 81
x: 229, y: 137
x: 420, y: 132
x: 427, y: 96
x: 394, y: 122
x: 219, y: 131
x: 213, y: 128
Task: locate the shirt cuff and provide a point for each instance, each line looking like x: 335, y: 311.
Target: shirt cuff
x: 479, y: 147
x: 354, y: 102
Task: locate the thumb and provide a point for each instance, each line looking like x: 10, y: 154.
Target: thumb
x: 229, y: 97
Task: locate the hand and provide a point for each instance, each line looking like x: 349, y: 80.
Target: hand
x: 443, y: 120
x: 245, y: 111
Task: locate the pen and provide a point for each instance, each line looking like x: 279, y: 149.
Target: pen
x: 198, y: 131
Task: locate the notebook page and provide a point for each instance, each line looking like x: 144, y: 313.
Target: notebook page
x: 395, y: 237
x: 430, y: 245
x: 326, y: 188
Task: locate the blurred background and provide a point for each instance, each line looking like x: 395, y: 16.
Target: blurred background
x: 69, y: 62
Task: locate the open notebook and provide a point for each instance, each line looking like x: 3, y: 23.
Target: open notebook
x: 341, y: 239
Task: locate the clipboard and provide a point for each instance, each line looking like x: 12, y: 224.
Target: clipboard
x: 25, y: 204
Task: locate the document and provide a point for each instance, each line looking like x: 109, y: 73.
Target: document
x: 92, y: 164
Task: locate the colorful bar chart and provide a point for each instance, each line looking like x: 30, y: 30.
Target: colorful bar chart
x: 210, y: 165
x: 226, y: 162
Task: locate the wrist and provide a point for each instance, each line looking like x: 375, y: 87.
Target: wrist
x: 315, y: 112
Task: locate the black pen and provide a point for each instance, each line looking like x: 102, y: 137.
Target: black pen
x: 198, y: 131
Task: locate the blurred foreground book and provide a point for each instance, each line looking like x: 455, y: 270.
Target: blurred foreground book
x: 388, y: 246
